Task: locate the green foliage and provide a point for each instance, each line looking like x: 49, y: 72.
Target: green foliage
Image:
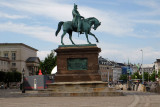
x: 2, y: 76
x: 17, y: 76
x: 152, y: 76
x: 123, y: 77
x: 159, y: 74
x: 136, y: 76
x: 146, y: 76
x: 10, y: 76
x: 48, y: 64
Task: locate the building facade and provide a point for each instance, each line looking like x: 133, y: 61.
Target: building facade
x: 105, y: 69
x: 4, y: 64
x: 20, y: 56
x: 117, y: 72
x: 157, y: 65
x: 147, y: 68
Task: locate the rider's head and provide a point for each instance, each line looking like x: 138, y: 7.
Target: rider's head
x: 75, y: 6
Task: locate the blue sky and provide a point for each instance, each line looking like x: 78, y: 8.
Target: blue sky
x: 127, y: 26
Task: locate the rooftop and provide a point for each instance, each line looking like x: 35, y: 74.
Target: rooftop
x: 18, y: 44
x: 32, y: 59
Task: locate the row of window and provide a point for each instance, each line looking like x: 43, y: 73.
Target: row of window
x: 4, y: 70
x: 148, y: 69
x: 2, y: 63
x: 104, y: 68
x: 149, y: 72
x: 6, y: 54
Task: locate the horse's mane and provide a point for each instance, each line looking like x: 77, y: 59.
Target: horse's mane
x: 90, y: 18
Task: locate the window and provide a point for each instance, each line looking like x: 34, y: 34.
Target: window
x: 13, y: 56
x: 13, y: 64
x: 6, y: 55
x: 13, y: 70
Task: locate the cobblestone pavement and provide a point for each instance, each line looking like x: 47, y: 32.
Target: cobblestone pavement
x: 131, y: 99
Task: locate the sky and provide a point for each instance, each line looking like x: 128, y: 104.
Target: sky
x: 127, y: 26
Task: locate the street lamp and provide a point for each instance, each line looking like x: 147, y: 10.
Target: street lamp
x: 142, y: 69
x: 23, y: 89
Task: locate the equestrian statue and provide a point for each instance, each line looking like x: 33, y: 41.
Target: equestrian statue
x: 78, y: 24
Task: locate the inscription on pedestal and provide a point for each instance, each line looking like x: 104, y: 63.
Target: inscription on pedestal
x: 77, y: 63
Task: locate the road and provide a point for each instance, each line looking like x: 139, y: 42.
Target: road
x: 131, y: 99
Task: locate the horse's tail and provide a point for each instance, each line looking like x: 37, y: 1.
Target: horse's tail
x: 59, y: 27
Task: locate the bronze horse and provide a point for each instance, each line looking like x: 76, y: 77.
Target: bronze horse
x: 68, y: 27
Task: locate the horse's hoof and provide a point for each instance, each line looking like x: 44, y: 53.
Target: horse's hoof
x: 73, y: 44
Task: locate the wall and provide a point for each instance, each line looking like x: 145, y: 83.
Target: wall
x: 104, y: 71
x: 117, y: 72
x: 4, y: 65
x: 42, y: 81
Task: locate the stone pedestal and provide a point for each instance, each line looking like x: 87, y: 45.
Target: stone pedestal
x: 77, y: 73
x: 77, y: 63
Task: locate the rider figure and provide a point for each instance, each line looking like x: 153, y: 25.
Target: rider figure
x: 77, y: 18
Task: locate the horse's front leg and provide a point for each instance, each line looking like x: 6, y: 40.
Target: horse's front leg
x: 94, y: 37
x: 87, y: 37
x: 62, y: 37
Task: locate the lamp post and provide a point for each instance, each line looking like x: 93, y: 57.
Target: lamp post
x: 23, y: 89
x: 142, y: 69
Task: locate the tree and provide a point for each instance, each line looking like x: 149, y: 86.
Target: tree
x: 146, y: 76
x: 2, y: 76
x: 136, y: 76
x: 123, y: 77
x: 159, y: 74
x: 9, y: 77
x: 17, y: 76
x: 48, y: 64
x: 152, y: 76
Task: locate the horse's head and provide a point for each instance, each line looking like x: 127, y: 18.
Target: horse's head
x: 94, y: 21
x: 96, y: 24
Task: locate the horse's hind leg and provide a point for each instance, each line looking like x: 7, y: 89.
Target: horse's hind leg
x: 87, y: 38
x: 94, y: 37
x: 70, y: 37
x: 62, y: 37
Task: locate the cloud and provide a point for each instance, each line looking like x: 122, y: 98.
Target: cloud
x: 117, y: 24
x: 39, y: 32
x: 123, y: 54
x: 43, y: 54
x: 154, y: 22
x: 43, y: 33
x: 4, y: 15
x: 112, y: 23
x: 149, y: 3
x: 44, y: 8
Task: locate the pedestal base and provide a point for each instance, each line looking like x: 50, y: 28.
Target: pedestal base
x: 77, y: 77
x: 74, y: 89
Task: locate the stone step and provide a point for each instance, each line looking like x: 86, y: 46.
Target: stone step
x: 92, y: 84
x: 71, y: 94
x: 104, y: 89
